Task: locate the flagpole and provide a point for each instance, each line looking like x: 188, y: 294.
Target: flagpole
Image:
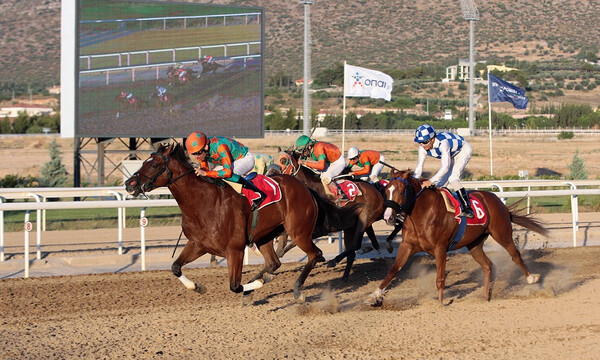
x: 490, y: 124
x: 344, y: 112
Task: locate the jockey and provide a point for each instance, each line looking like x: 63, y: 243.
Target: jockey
x: 368, y: 160
x: 455, y: 153
x: 324, y: 157
x: 209, y: 59
x: 234, y: 157
x: 160, y: 91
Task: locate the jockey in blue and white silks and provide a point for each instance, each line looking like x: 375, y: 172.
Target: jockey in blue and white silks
x: 454, y: 152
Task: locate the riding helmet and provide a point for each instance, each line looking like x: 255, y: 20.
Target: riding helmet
x: 352, y: 152
x: 302, y: 141
x: 195, y: 142
x: 424, y: 133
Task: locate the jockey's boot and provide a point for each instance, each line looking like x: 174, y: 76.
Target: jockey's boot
x: 250, y: 186
x: 465, y: 204
x: 341, y: 193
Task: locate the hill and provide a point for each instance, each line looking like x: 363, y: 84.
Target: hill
x: 379, y: 34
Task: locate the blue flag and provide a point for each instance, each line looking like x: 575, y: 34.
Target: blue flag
x: 502, y: 91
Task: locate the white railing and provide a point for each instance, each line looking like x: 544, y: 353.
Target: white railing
x: 123, y: 59
x: 41, y: 194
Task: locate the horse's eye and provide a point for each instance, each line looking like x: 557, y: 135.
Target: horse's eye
x: 284, y: 161
x: 154, y: 165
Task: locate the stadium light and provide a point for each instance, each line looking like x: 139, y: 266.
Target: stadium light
x: 306, y: 97
x: 471, y: 15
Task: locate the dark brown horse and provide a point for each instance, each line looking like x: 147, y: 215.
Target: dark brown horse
x: 180, y: 76
x: 368, y: 207
x: 166, y: 100
x: 430, y: 228
x: 217, y: 220
x: 208, y: 66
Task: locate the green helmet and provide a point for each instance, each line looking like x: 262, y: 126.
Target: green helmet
x: 302, y: 141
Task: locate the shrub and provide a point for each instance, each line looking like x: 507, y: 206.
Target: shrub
x: 566, y: 135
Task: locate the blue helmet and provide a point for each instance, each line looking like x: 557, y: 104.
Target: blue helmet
x: 424, y: 133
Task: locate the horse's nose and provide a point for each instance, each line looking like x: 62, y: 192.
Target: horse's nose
x: 387, y: 214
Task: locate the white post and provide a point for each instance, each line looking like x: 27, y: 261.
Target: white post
x: 490, y: 125
x: 344, y: 112
x: 28, y: 227
x: 143, y: 224
x: 1, y: 232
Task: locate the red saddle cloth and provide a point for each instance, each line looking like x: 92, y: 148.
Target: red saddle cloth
x: 478, y: 209
x: 266, y: 185
x: 349, y: 188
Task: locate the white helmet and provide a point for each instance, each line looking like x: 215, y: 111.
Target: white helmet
x: 352, y: 152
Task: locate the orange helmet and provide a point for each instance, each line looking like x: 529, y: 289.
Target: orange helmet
x: 195, y: 142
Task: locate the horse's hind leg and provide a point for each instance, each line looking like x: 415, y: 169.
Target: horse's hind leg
x: 188, y: 254
x: 314, y: 255
x: 504, y: 238
x: 272, y: 262
x: 476, y: 250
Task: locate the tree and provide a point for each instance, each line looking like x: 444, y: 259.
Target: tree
x: 577, y: 168
x: 54, y: 173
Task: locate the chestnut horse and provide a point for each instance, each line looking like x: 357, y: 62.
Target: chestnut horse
x: 217, y: 220
x: 368, y: 207
x: 430, y: 228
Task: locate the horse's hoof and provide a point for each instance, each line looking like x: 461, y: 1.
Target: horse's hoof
x: 331, y: 263
x: 268, y: 277
x: 533, y: 278
x: 247, y: 298
x: 214, y: 264
x: 299, y: 298
x: 200, y: 289
x: 373, y: 300
x: 390, y: 248
x: 320, y: 259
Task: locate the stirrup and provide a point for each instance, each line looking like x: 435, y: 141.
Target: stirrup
x: 468, y: 213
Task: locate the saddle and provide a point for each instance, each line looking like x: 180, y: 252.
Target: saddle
x: 345, y: 191
x: 453, y: 206
x: 267, y: 185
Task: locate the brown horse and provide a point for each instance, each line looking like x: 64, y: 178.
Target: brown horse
x: 430, y: 228
x: 167, y: 100
x: 217, y: 220
x: 180, y: 76
x: 368, y: 207
x: 132, y: 103
x: 209, y: 66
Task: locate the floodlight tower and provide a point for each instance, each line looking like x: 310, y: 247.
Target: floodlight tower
x: 471, y: 15
x: 306, y: 96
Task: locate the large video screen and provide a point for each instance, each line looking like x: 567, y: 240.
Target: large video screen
x: 165, y: 69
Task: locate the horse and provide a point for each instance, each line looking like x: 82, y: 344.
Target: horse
x: 217, y: 220
x: 173, y: 74
x: 429, y: 227
x: 162, y: 101
x: 368, y: 207
x: 132, y: 103
x: 209, y: 66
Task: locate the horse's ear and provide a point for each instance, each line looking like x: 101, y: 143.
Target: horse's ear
x: 406, y: 174
x: 279, y: 149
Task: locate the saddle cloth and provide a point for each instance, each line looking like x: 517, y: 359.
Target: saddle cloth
x: 349, y: 188
x: 453, y: 206
x: 267, y: 185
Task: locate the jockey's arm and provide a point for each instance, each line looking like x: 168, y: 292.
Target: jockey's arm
x: 320, y: 163
x: 366, y: 170
x: 420, y: 162
x: 226, y: 161
x: 204, y: 165
x: 445, y: 166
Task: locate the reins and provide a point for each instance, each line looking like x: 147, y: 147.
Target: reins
x: 170, y: 181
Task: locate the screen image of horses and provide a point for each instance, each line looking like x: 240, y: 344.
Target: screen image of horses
x: 164, y: 69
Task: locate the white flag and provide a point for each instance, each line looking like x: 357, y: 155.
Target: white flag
x: 363, y: 82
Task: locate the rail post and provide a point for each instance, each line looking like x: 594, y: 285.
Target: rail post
x: 28, y: 227
x: 143, y: 224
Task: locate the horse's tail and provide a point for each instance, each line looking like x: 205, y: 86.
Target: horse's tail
x: 527, y: 221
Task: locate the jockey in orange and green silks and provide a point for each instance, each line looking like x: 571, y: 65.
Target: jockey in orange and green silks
x: 224, y: 151
x: 324, y: 156
x: 234, y: 158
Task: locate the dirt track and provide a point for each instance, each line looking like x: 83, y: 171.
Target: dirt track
x: 151, y: 315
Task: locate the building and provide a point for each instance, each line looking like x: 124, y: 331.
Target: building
x: 459, y: 72
x: 12, y: 112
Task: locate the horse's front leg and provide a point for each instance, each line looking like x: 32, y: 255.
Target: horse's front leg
x: 235, y: 260
x: 440, y: 264
x: 189, y: 254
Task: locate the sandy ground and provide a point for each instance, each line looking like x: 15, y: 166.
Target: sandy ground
x: 150, y: 315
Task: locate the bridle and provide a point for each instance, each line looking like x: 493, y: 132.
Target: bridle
x: 150, y: 185
x: 405, y: 208
x: 293, y: 169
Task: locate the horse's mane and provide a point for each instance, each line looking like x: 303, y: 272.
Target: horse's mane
x: 178, y: 153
